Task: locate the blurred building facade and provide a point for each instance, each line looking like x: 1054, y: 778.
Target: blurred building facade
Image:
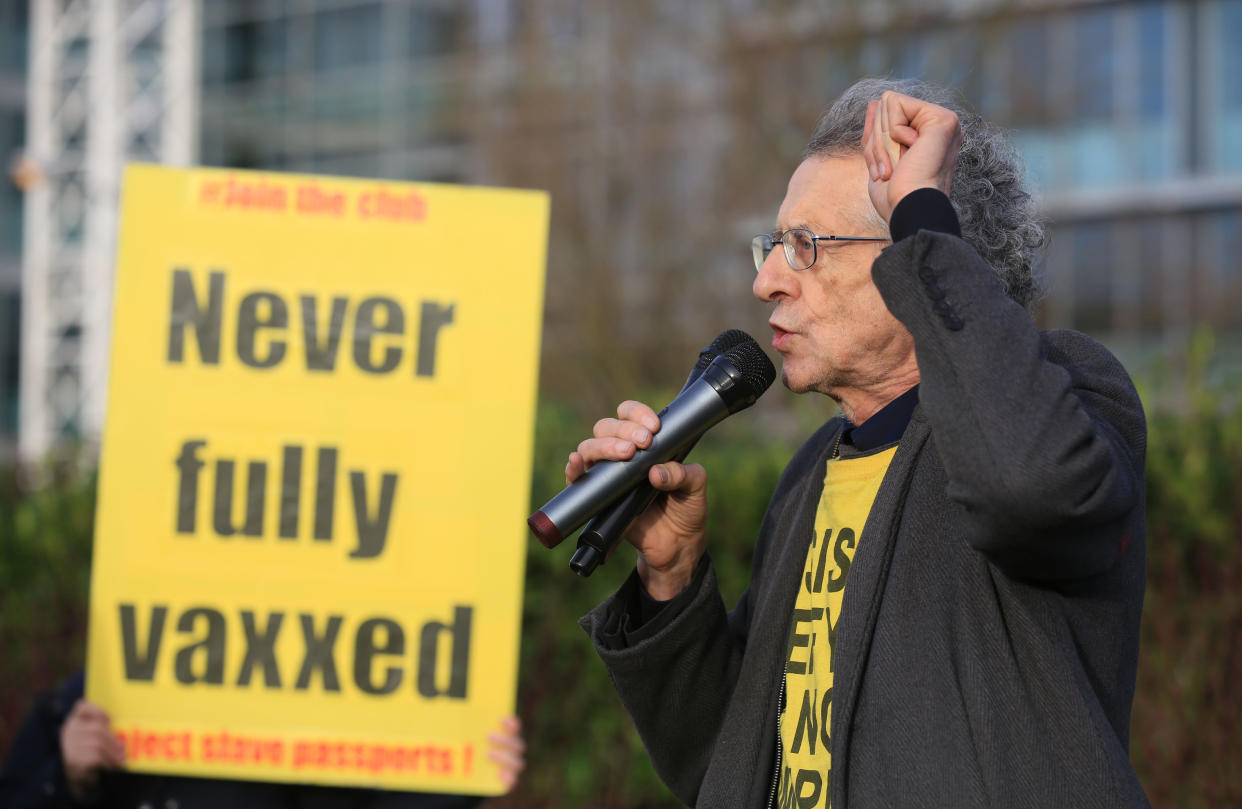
x: 14, y: 25
x: 666, y: 132
x: 108, y: 81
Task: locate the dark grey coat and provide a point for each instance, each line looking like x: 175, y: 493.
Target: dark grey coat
x: 988, y: 640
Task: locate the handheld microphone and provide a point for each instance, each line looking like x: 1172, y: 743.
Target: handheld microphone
x: 727, y: 339
x: 604, y: 530
x: 731, y: 382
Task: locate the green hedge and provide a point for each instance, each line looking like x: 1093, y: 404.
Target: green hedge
x: 1185, y: 737
x: 583, y: 749
x: 45, y: 558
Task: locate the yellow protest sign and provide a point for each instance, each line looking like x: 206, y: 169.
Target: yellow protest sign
x: 314, y: 477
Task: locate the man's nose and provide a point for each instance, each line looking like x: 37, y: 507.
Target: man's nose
x: 775, y: 278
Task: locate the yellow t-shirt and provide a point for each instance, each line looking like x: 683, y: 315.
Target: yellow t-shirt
x: 850, y: 486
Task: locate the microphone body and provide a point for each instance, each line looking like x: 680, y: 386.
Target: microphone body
x: 723, y: 389
x: 604, y: 530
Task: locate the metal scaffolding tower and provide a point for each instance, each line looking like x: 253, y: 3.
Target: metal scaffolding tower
x: 110, y: 81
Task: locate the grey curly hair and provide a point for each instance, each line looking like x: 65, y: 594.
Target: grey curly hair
x: 996, y: 212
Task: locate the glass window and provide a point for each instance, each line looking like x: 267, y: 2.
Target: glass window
x: 241, y: 52
x: 1230, y: 28
x: 1036, y: 149
x: 1094, y: 258
x: 241, y: 152
x: 435, y: 31
x: 1103, y: 118
x: 1091, y: 143
x: 350, y: 164
x: 1095, y: 45
x: 873, y: 57
x: 348, y: 104
x: 244, y: 9
x: 211, y: 146
x: 1152, y: 21
x: 429, y: 109
x: 1152, y: 149
x: 835, y: 68
x: 12, y: 136
x: 214, y: 45
x: 348, y: 37
x: 1031, y: 103
x: 14, y: 35
x: 244, y: 52
x: 960, y: 53
x: 910, y: 57
x: 1227, y: 126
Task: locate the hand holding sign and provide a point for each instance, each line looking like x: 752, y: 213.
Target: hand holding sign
x: 87, y: 746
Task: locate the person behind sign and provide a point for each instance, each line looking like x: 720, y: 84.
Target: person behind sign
x: 945, y: 594
x: 66, y: 755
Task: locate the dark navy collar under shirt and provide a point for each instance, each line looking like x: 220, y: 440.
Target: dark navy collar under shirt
x: 883, y: 428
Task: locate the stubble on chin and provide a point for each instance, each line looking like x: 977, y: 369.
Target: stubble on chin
x: 790, y: 385
x: 800, y: 386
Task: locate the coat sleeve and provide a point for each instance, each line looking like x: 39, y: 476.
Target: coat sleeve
x: 675, y: 683
x: 1042, y: 435
x: 33, y: 776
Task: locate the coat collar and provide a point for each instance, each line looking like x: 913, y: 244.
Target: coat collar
x: 864, y: 591
x: 780, y: 568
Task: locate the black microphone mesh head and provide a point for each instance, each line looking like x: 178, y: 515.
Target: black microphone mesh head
x: 728, y: 339
x: 724, y: 341
x: 757, y: 370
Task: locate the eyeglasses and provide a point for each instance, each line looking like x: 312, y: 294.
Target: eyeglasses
x: 801, y: 246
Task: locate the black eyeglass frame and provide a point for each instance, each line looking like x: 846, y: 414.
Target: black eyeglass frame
x: 765, y: 243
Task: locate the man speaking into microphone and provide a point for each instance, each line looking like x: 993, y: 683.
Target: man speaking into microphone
x: 944, y: 601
